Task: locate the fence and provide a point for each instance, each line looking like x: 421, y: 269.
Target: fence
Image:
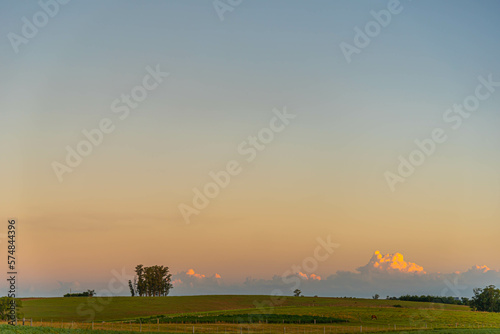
x: 222, y: 328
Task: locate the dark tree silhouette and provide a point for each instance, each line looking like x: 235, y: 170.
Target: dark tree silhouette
x: 487, y: 299
x: 131, y: 287
x: 152, y: 281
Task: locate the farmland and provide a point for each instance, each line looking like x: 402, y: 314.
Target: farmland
x: 253, y: 314
x: 5, y: 329
x: 124, y: 308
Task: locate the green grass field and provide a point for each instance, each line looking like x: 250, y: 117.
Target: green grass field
x: 357, y: 312
x: 119, y: 308
x: 463, y: 331
x: 5, y: 329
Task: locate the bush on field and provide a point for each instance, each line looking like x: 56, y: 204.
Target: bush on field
x: 88, y: 293
x: 245, y: 319
x: 432, y: 299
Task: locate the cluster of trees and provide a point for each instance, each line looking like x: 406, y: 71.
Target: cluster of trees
x: 432, y: 299
x: 88, y: 293
x: 487, y: 299
x: 6, y: 306
x: 152, y: 281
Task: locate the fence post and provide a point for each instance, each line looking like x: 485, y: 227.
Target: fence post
x: 31, y: 322
x: 361, y: 329
x: 92, y: 324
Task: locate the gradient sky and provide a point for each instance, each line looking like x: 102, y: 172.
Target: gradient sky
x: 323, y: 175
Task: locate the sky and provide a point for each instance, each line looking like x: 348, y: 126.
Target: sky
x: 229, y: 137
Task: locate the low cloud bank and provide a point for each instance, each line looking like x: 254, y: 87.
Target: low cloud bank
x: 386, y: 275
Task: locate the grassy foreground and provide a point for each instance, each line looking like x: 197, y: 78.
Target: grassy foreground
x: 391, y: 314
x: 6, y: 329
x: 463, y: 331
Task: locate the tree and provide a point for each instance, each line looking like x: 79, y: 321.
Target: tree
x: 152, y: 281
x: 296, y: 293
x: 6, y: 306
x: 139, y: 280
x: 487, y: 299
x: 376, y: 296
x: 131, y: 287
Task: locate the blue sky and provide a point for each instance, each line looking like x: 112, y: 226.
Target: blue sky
x: 323, y: 175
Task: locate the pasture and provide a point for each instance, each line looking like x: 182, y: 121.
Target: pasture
x: 242, y: 314
x: 123, y: 308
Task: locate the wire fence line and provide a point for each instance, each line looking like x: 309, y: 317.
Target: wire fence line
x: 223, y: 328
